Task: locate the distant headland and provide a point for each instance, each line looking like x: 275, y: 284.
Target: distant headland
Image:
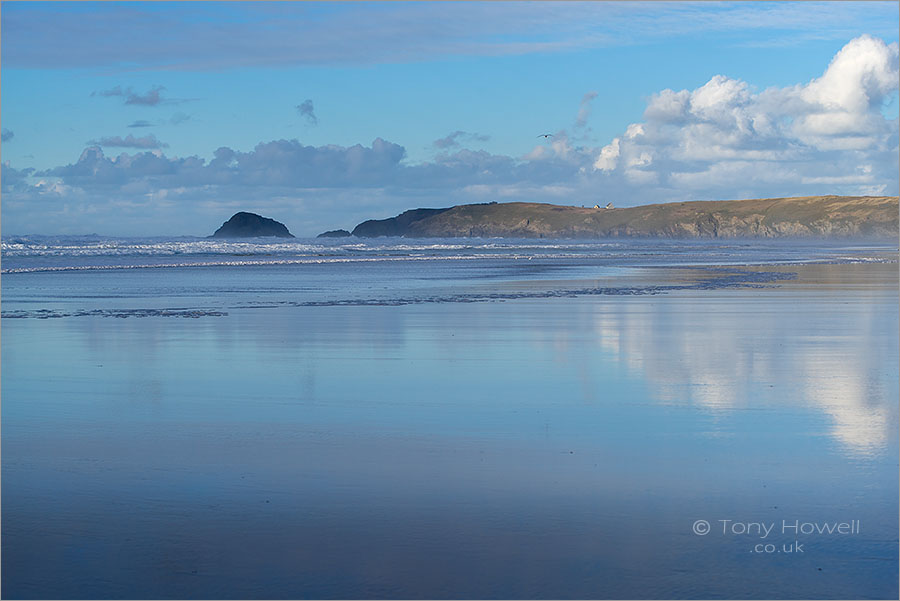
x: 251, y: 225
x: 806, y: 217
x: 335, y: 234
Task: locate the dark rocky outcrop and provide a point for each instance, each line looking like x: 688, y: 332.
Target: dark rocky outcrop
x: 251, y: 225
x: 335, y: 234
x: 803, y: 217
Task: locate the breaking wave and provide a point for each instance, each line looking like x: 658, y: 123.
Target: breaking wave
x: 29, y: 254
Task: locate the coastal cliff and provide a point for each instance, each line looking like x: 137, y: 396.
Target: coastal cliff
x: 399, y: 225
x: 811, y: 216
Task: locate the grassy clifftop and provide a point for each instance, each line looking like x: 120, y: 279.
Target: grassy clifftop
x: 812, y: 216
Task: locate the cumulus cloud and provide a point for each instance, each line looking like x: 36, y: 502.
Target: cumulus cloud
x: 14, y: 179
x: 151, y: 97
x: 454, y: 139
x: 608, y: 157
x: 287, y: 166
x: 6, y: 135
x: 285, y: 163
x: 307, y: 111
x: 130, y: 141
x: 830, y: 131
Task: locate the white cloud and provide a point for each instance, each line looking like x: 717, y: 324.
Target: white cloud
x: 643, y: 160
x: 858, y: 78
x: 130, y: 141
x: 609, y: 156
x: 668, y: 106
x: 829, y: 131
x: 634, y: 130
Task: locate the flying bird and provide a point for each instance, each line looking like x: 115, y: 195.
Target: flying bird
x: 545, y: 136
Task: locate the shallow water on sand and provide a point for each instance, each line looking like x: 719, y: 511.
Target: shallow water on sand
x: 479, y: 429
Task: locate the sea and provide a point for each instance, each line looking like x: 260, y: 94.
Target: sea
x: 401, y: 418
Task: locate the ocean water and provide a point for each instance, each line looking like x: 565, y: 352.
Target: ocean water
x: 393, y: 418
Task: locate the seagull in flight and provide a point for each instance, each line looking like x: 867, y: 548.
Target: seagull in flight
x: 545, y: 136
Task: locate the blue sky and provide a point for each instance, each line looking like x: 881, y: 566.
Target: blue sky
x: 166, y: 118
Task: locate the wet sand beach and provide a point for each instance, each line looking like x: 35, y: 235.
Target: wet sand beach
x: 521, y: 446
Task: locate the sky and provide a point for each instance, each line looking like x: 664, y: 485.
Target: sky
x: 144, y: 119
